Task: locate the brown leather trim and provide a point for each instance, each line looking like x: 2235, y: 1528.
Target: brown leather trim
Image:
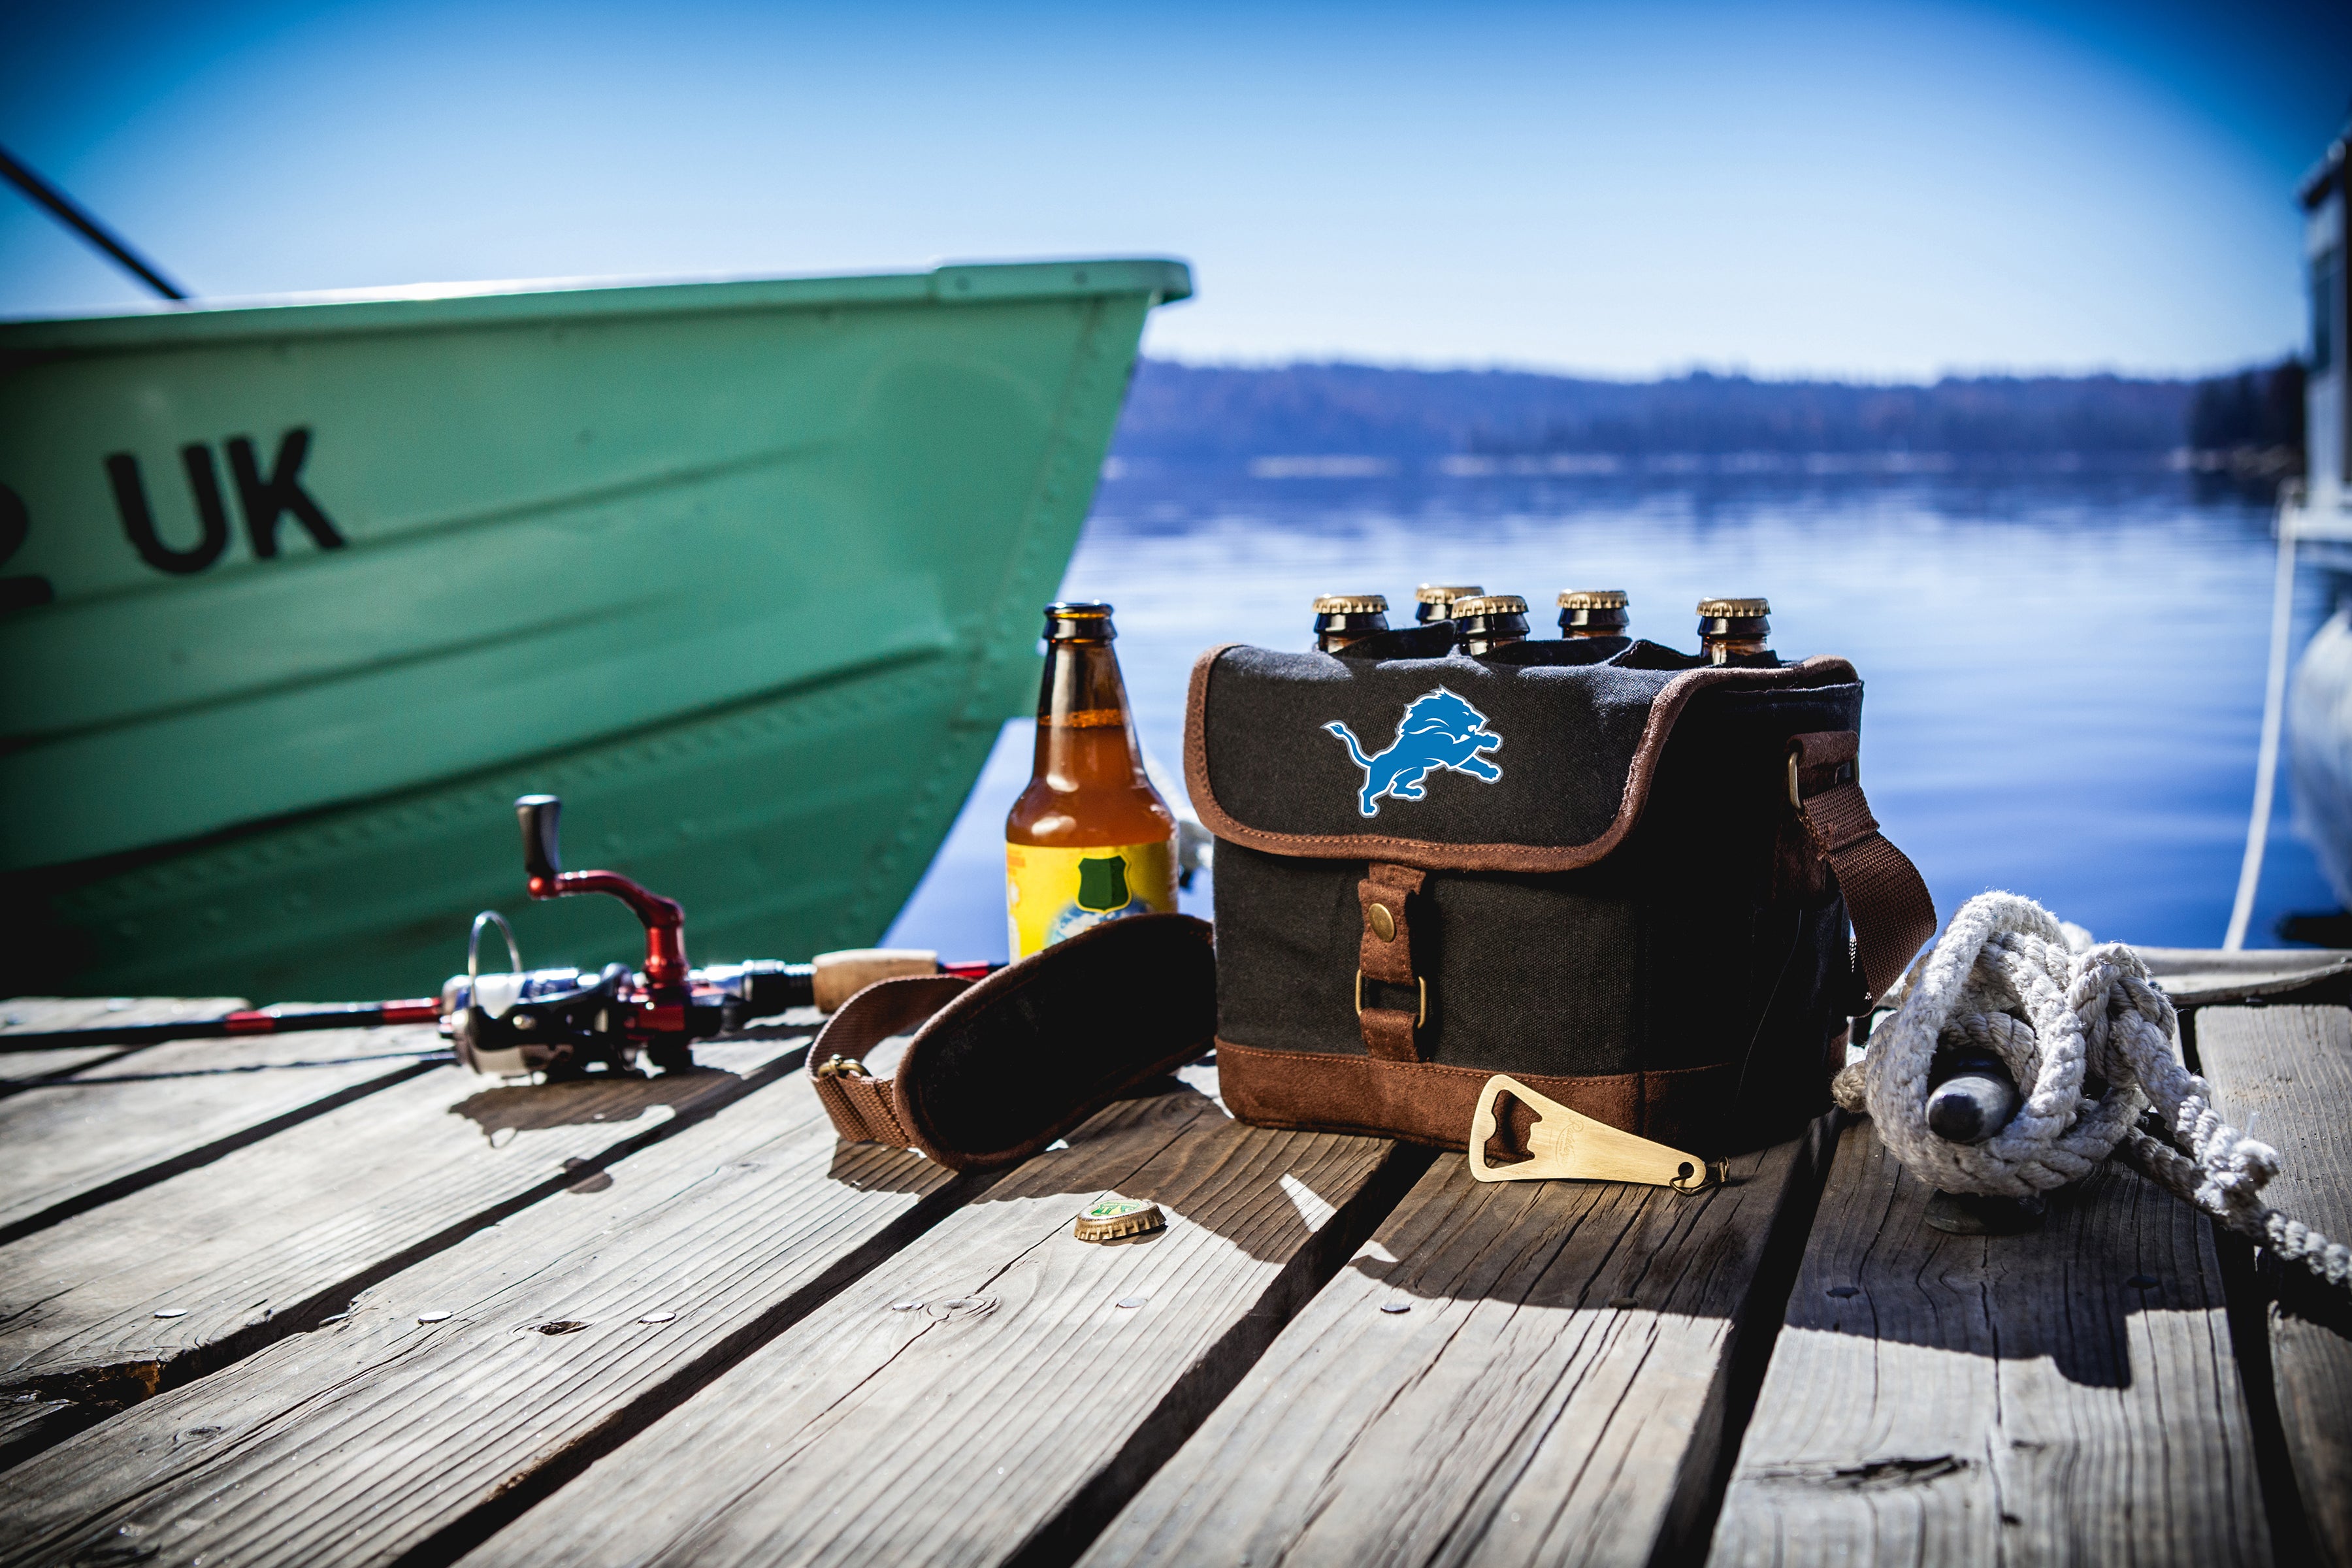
x: 1388, y: 1032
x: 1820, y: 670
x: 1389, y: 889
x: 1431, y: 1102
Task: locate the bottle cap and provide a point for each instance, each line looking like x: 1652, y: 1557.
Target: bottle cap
x: 1445, y: 593
x: 1734, y: 609
x: 1351, y: 604
x: 1084, y: 618
x: 1489, y: 604
x: 1114, y: 1218
x: 1594, y: 599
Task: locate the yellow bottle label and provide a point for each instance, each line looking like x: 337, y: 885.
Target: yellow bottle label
x: 1050, y: 894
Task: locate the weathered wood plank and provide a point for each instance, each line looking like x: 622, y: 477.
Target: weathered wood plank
x: 379, y: 1434
x: 29, y: 1423
x: 2068, y: 1395
x: 1552, y: 1390
x: 2289, y: 1070
x: 36, y: 1015
x: 985, y: 1394
x: 272, y: 1238
x: 99, y: 1131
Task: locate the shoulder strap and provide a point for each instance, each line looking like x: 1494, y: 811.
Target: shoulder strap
x: 1000, y: 1067
x: 1885, y: 898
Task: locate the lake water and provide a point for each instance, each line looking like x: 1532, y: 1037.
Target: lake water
x: 2064, y: 670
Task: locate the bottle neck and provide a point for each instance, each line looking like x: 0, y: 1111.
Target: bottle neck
x: 1594, y: 622
x: 1735, y: 640
x: 1477, y: 635
x: 1086, y: 733
x: 1488, y: 642
x: 1734, y: 651
x: 1336, y: 630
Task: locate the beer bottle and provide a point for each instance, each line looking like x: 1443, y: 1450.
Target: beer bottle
x: 1434, y: 601
x: 1486, y: 622
x: 1594, y: 613
x: 1344, y: 618
x: 1735, y: 631
x: 1089, y: 840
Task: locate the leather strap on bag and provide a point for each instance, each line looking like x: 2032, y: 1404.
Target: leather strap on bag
x: 1886, y: 899
x: 1385, y: 955
x: 998, y: 1068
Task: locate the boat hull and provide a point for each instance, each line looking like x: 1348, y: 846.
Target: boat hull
x: 747, y: 572
x: 2319, y: 751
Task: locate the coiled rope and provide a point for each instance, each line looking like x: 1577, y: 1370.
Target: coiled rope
x: 2098, y: 1042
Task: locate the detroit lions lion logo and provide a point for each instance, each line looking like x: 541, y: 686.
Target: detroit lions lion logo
x: 1438, y: 731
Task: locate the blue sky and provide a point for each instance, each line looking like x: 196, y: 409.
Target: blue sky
x: 1888, y: 190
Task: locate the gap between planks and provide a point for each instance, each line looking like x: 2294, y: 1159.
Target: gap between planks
x: 425, y: 1436
x: 2284, y: 1074
x: 984, y: 1396
x: 275, y: 1237
x: 1531, y: 1373
x: 81, y: 1141
x: 2068, y: 1395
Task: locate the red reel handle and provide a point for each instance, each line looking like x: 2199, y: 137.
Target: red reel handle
x: 540, y: 816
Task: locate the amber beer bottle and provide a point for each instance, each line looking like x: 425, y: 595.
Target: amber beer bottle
x: 1735, y: 631
x: 1594, y: 613
x: 1344, y: 618
x: 1432, y: 601
x: 1089, y: 840
x: 1488, y: 621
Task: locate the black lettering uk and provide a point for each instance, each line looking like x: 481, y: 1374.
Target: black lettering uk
x: 266, y: 500
x: 16, y: 525
x: 138, y: 522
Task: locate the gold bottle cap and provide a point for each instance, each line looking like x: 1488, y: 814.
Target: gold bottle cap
x: 1351, y: 604
x: 1490, y: 605
x: 1445, y: 593
x: 1594, y: 599
x: 1734, y: 609
x: 1114, y: 1218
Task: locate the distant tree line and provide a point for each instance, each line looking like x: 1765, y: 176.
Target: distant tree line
x: 2261, y: 409
x: 1176, y: 411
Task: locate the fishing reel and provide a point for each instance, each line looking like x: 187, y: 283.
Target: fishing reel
x: 565, y: 1023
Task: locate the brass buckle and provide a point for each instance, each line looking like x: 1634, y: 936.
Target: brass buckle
x: 1418, y: 980
x: 842, y: 1067
x: 1847, y: 773
x: 1567, y: 1144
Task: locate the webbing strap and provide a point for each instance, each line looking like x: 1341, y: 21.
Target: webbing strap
x: 863, y: 1107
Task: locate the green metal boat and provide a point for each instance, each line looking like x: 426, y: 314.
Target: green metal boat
x: 299, y: 597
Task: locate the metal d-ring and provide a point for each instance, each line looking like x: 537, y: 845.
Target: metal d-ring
x: 1842, y: 773
x: 474, y: 953
x: 1421, y: 1018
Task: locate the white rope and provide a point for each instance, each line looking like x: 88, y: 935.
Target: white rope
x: 2007, y: 977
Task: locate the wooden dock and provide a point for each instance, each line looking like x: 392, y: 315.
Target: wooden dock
x: 326, y: 1299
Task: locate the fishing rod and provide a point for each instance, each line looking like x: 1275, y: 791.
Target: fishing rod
x: 564, y: 1022
x: 251, y: 1021
x: 66, y: 210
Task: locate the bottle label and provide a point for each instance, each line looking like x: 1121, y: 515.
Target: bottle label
x: 1053, y: 893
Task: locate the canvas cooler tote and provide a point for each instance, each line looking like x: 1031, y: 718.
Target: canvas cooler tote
x: 1620, y: 876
